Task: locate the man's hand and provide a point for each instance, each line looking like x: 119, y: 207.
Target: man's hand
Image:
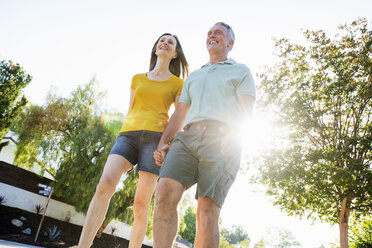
x: 229, y: 144
x: 160, y: 153
x: 175, y: 124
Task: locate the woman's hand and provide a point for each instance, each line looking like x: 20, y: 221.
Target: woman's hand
x: 160, y: 153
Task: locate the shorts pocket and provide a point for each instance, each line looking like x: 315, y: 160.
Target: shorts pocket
x: 223, y: 187
x: 228, y: 179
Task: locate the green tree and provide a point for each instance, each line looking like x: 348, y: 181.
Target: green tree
x: 224, y: 243
x: 12, y: 80
x: 260, y: 243
x: 361, y: 232
x: 188, y: 225
x: 280, y: 238
x: 188, y: 199
x: 244, y: 243
x: 319, y: 95
x: 70, y: 138
x: 235, y: 235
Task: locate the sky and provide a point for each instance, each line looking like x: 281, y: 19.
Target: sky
x: 63, y: 44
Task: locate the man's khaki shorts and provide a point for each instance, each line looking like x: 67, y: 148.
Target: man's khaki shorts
x: 195, y: 157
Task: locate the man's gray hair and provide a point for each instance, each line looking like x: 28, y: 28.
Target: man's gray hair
x: 227, y: 26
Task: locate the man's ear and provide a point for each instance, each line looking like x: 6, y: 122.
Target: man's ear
x: 230, y: 44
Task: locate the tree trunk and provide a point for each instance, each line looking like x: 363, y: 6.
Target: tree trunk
x: 343, y: 221
x: 102, y: 228
x: 108, y: 220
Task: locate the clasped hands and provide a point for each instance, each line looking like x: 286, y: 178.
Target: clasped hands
x: 160, y: 153
x: 228, y: 144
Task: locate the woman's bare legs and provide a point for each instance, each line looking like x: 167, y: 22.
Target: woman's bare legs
x: 145, y: 189
x: 115, y: 166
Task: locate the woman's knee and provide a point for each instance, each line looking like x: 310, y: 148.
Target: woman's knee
x: 106, y: 186
x: 140, y: 208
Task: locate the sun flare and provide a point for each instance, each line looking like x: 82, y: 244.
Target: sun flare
x: 256, y: 133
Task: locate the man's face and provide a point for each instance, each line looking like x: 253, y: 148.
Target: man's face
x: 218, y: 39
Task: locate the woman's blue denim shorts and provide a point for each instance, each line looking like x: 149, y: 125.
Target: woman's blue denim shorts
x: 138, y: 148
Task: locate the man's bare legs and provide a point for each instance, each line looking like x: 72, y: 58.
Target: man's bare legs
x: 167, y: 196
x: 115, y: 166
x: 207, y: 230
x: 145, y: 189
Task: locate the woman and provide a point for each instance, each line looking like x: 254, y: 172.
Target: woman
x: 151, y: 96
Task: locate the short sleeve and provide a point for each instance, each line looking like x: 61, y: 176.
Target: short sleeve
x: 246, y: 86
x: 133, y: 84
x: 180, y: 86
x: 185, y: 94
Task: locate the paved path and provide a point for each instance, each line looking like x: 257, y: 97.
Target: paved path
x: 9, y: 244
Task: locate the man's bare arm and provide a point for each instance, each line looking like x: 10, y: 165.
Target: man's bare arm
x: 175, y: 124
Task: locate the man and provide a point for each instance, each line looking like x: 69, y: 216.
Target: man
x: 216, y: 99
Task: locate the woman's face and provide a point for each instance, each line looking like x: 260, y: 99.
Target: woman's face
x: 166, y: 47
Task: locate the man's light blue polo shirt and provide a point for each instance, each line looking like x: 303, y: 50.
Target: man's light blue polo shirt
x: 212, y: 91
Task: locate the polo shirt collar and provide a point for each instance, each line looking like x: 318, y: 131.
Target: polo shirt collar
x: 227, y: 62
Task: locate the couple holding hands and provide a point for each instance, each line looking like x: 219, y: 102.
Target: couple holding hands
x: 198, y: 145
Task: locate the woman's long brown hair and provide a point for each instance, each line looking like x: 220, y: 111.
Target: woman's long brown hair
x: 177, y: 65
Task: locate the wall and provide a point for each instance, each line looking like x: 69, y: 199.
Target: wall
x: 20, y: 189
x: 8, y: 151
x: 19, y: 198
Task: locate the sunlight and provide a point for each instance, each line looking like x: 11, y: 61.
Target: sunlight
x: 256, y: 133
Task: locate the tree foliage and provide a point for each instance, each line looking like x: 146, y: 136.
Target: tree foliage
x: 235, y: 235
x: 260, y: 243
x: 187, y: 228
x: 319, y: 95
x: 71, y: 138
x: 244, y: 243
x: 12, y: 80
x: 224, y: 243
x: 361, y: 233
x: 280, y: 238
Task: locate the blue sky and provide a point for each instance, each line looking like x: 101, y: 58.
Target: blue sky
x: 65, y: 43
